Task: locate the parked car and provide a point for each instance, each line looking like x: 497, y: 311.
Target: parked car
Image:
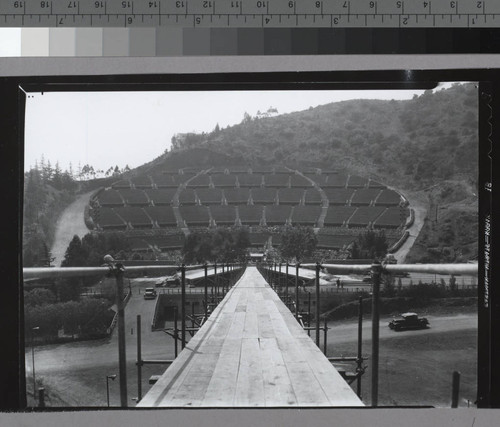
x: 408, y: 321
x: 149, y: 293
x: 159, y: 283
x: 173, y: 281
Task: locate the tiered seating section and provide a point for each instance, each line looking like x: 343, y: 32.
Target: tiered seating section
x: 263, y: 197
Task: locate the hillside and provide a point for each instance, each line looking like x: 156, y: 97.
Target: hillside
x: 426, y: 146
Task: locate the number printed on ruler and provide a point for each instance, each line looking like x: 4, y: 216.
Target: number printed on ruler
x: 256, y: 13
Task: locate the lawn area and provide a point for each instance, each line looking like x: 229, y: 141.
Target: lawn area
x: 417, y: 370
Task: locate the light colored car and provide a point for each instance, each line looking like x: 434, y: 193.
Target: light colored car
x: 149, y: 293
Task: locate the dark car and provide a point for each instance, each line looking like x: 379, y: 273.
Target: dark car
x: 149, y: 293
x: 409, y: 321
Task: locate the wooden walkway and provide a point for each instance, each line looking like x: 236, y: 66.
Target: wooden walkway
x: 250, y: 352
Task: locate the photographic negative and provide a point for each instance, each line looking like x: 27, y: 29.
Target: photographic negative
x: 284, y: 194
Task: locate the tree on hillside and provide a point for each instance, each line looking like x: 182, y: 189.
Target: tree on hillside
x: 298, y: 243
x: 371, y: 244
x: 76, y: 255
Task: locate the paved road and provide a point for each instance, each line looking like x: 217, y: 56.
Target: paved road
x: 70, y: 222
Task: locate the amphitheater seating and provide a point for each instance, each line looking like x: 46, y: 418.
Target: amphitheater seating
x: 263, y: 170
x: 161, y: 197
x: 318, y: 179
x: 291, y: 196
x: 165, y: 181
x: 364, y: 215
x: 335, y: 180
x: 163, y: 215
x: 237, y: 195
x: 135, y: 216
x: 337, y: 215
x: 134, y: 197
x: 276, y: 239
x: 181, y: 179
x: 139, y: 245
x: 110, y: 198
x: 393, y: 217
x: 195, y: 215
x: 209, y: 195
x: 374, y: 184
x: 222, y: 180
x: 277, y: 215
x: 165, y: 243
x: 281, y: 169
x: 108, y: 219
x: 250, y: 180
x: 312, y: 197
x: 223, y: 215
x: 122, y: 183
x: 338, y: 196
x: 259, y: 239
x: 299, y: 181
x: 266, y: 196
x: 141, y: 182
x: 388, y: 198
x: 364, y: 196
x: 218, y: 170
x: 238, y: 169
x: 187, y: 197
x: 306, y: 215
x: 332, y: 241
x: 199, y: 181
x: 356, y: 182
x: 277, y: 180
x: 250, y: 214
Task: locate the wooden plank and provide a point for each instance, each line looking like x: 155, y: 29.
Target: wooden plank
x: 250, y: 384
x: 278, y: 390
x: 222, y: 387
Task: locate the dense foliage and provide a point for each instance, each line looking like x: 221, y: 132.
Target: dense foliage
x: 370, y: 245
x: 47, y: 192
x: 90, y: 250
x: 216, y: 245
x: 297, y: 243
x: 87, y: 318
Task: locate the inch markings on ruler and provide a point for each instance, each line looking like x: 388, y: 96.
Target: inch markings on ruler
x: 251, y: 13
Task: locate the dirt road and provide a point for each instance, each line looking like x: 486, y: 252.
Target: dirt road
x: 71, y: 222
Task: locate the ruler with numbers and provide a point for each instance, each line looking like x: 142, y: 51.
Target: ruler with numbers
x: 252, y: 13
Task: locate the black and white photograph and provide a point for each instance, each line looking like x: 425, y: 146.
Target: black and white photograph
x: 251, y: 248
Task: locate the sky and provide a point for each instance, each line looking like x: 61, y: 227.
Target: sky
x: 105, y: 129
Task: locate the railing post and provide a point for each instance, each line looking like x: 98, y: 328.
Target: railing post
x: 318, y: 267
x: 376, y: 273
x: 176, y: 332
x: 216, y: 281
x: 183, y: 306
x: 455, y: 389
x: 297, y: 291
x: 308, y: 312
x: 41, y: 397
x: 360, y: 343
x: 118, y: 271
x: 286, y: 285
x: 325, y: 331
x: 139, y: 360
x: 279, y: 280
x: 206, y: 291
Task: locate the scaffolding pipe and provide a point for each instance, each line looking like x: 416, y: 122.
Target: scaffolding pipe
x: 360, y: 344
x: 122, y: 357
x: 376, y: 273
x: 139, y: 360
x: 318, y: 267
x: 206, y: 291
x: 297, y: 292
